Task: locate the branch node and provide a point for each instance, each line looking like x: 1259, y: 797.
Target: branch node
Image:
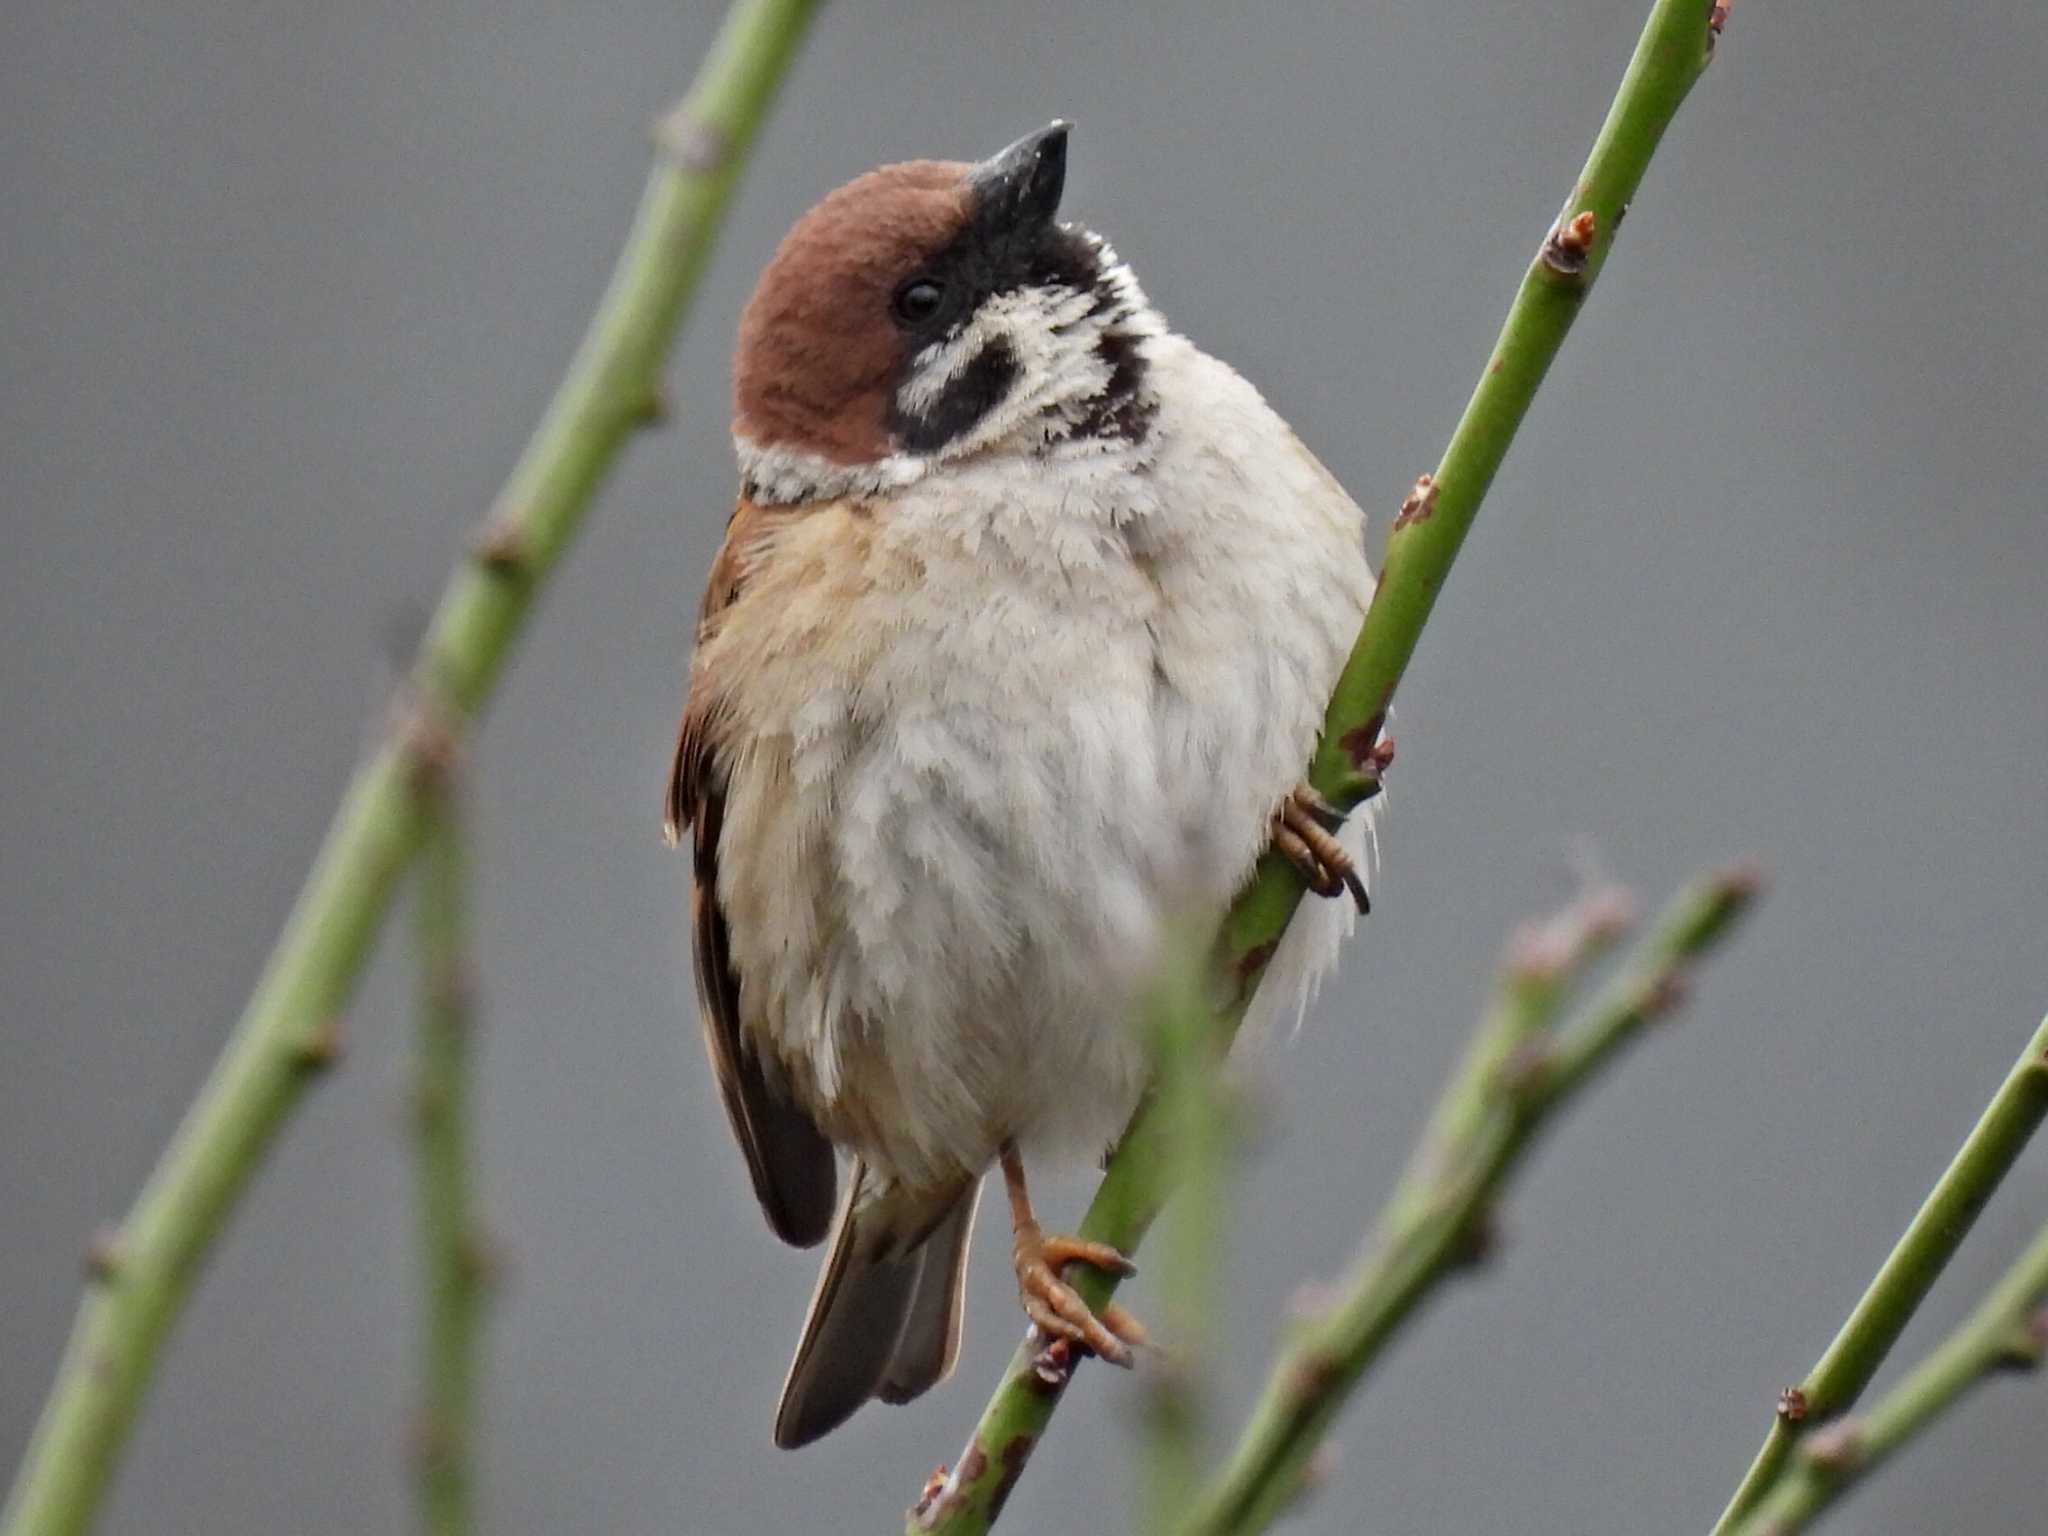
x: 427, y: 1103
x: 1379, y: 758
x: 1251, y: 965
x: 1743, y: 881
x: 1170, y: 1388
x: 323, y: 1045
x: 1537, y: 957
x: 1051, y: 1364
x: 453, y: 991
x: 2025, y: 1347
x: 482, y: 1261
x: 1547, y: 952
x: 933, y: 1487
x: 1834, y: 1449
x: 654, y: 407
x: 691, y: 144
x: 428, y: 737
x: 1418, y: 504
x: 1570, y: 243
x: 942, y: 1492
x: 1313, y: 1375
x: 1317, y: 1473
x: 430, y: 1446
x: 1666, y: 993
x: 1370, y: 755
x: 1525, y: 1075
x: 501, y: 547
x: 1717, y: 18
x: 1480, y: 1240
x: 105, y: 1255
x: 1792, y: 1405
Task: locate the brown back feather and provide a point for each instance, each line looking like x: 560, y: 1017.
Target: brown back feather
x: 789, y: 1159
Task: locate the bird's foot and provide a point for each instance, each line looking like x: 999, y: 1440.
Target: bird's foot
x: 1056, y: 1308
x: 1304, y: 831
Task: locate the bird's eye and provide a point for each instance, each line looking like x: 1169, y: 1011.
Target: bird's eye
x: 918, y: 300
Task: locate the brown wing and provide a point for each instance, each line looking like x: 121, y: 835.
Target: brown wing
x: 790, y: 1161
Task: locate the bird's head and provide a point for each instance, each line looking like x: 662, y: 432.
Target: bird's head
x: 931, y: 311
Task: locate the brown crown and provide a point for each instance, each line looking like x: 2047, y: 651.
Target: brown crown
x: 818, y: 353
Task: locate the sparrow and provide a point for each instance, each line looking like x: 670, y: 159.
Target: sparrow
x: 1019, y: 639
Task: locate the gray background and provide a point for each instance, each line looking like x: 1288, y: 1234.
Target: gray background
x: 283, y: 289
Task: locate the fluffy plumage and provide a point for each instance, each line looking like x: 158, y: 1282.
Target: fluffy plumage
x: 973, y: 718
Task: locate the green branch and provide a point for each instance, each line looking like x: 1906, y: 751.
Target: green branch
x: 1675, y: 47
x: 2009, y: 1331
x: 1545, y: 960
x: 1518, y: 1074
x: 1895, y: 1293
x: 452, y: 1241
x: 1193, y: 1112
x: 290, y: 1029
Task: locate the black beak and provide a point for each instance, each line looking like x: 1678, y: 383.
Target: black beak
x: 1020, y: 188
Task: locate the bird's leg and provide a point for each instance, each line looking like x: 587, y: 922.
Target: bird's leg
x: 1304, y: 831
x: 1054, y: 1306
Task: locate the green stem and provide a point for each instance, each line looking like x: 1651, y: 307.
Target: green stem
x: 1508, y: 1087
x: 2009, y: 1330
x: 1675, y: 47
x: 1916, y: 1262
x: 1192, y: 1111
x: 452, y: 1242
x: 289, y: 1027
x: 1544, y: 961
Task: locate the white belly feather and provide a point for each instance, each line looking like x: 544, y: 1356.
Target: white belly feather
x: 998, y: 751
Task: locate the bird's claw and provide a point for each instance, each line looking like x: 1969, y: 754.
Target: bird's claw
x: 1056, y: 1308
x: 1304, y: 831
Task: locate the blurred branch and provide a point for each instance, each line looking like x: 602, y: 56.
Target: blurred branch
x: 452, y: 1240
x: 2009, y: 1331
x: 1195, y: 1118
x: 291, y: 1027
x: 1674, y: 49
x: 1937, y: 1230
x: 1544, y: 962
x: 1518, y: 1073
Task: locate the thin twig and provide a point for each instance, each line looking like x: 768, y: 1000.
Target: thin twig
x: 2008, y: 1331
x: 1669, y: 58
x: 452, y: 1241
x: 290, y: 1026
x: 1545, y: 960
x: 1517, y: 1076
x: 1916, y: 1262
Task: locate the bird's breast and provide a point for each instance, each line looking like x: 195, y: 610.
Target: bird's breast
x: 1001, y: 729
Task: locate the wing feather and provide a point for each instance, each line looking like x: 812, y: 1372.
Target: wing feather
x: 789, y: 1159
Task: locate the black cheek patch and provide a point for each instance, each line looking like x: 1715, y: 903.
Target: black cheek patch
x: 1123, y: 410
x: 967, y: 398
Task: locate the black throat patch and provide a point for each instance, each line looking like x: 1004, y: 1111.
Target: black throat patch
x: 983, y: 263
x: 1125, y: 408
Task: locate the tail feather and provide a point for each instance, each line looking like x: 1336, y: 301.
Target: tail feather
x: 931, y: 1331
x: 881, y: 1323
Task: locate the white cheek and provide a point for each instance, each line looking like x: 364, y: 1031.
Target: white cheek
x: 1045, y: 331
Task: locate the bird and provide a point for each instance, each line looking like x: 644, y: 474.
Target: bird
x: 1016, y: 647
